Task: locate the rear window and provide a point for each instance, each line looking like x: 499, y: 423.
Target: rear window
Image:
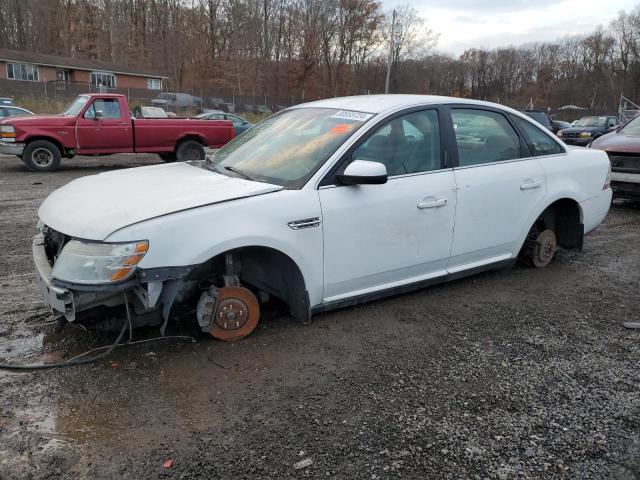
x: 541, y: 142
x: 539, y: 117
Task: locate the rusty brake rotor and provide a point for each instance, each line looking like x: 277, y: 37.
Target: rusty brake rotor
x: 236, y: 315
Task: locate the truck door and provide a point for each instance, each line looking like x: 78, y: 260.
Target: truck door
x: 105, y: 127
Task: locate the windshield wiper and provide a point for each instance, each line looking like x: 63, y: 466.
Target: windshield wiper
x: 238, y: 172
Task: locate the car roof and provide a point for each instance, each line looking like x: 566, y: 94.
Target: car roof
x: 383, y: 103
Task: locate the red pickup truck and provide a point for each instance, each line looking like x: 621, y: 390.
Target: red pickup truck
x: 101, y: 124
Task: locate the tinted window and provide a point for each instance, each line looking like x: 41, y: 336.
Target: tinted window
x: 541, y: 142
x: 408, y: 144
x: 539, y: 117
x: 484, y: 137
x: 109, y: 106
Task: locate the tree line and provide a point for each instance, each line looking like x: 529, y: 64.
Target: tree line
x: 307, y: 49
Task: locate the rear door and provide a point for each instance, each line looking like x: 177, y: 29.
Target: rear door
x: 499, y: 183
x: 113, y: 133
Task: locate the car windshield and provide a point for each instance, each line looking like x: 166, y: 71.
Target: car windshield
x: 591, y: 122
x: 287, y: 148
x: 74, y: 107
x: 633, y: 127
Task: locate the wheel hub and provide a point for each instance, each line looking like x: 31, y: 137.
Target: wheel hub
x: 236, y: 313
x: 546, y: 246
x: 42, y: 157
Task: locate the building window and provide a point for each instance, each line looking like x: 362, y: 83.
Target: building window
x: 154, y: 83
x: 102, y: 79
x: 22, y: 71
x: 62, y: 75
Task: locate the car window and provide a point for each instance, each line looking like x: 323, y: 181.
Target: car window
x: 408, y: 144
x: 110, y: 108
x: 539, y: 117
x: 484, y: 137
x: 542, y: 143
x: 235, y: 120
x: 612, y: 122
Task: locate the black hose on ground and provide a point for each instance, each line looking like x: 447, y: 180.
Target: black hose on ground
x: 70, y: 363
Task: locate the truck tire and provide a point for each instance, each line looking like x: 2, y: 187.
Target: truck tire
x: 189, y: 150
x: 41, y: 156
x: 168, y: 156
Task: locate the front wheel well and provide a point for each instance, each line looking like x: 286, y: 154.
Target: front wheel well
x: 61, y: 148
x: 564, y: 217
x: 266, y: 269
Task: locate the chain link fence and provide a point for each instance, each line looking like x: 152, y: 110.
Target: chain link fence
x: 50, y: 97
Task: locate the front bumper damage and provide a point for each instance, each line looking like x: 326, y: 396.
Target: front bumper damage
x: 59, y: 300
x: 151, y: 292
x: 7, y: 148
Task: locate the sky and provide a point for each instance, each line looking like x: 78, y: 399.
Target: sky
x: 464, y: 24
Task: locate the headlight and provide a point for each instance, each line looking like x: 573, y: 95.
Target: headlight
x: 559, y: 134
x: 7, y: 133
x: 92, y: 263
x: 585, y: 135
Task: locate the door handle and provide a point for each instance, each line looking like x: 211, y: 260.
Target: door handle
x: 441, y: 202
x: 122, y: 123
x: 528, y: 185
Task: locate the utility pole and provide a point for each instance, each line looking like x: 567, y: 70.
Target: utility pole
x: 391, y: 45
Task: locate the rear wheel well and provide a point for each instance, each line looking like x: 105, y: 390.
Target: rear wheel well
x: 564, y: 217
x: 197, y: 138
x: 264, y: 269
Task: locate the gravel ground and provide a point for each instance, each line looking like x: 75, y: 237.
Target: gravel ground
x: 520, y: 373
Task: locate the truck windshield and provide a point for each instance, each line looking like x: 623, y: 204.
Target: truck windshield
x: 591, y: 122
x: 288, y: 148
x: 74, y: 107
x: 633, y: 127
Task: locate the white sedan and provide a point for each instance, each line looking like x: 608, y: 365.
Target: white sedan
x: 322, y: 205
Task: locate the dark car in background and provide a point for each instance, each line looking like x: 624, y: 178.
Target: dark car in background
x: 240, y: 125
x: 541, y: 117
x: 623, y: 148
x: 587, y: 129
x: 544, y: 119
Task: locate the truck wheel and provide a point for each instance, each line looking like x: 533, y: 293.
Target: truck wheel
x: 41, y: 156
x: 168, y: 156
x: 190, y: 150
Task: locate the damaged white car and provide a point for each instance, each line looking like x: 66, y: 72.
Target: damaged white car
x: 322, y: 205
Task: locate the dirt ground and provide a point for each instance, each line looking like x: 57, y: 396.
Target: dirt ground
x: 520, y: 373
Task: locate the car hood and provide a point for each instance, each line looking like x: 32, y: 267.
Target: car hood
x: 38, y: 120
x: 582, y: 129
x: 618, y: 142
x: 94, y: 207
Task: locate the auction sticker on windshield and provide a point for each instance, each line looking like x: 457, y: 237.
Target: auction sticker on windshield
x: 351, y: 115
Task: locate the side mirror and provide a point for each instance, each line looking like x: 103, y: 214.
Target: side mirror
x: 99, y: 115
x: 363, y: 172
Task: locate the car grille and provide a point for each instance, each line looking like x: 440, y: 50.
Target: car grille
x: 54, y: 241
x: 624, y: 162
x: 571, y: 134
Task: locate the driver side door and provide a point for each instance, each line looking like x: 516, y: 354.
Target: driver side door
x: 110, y: 134
x: 378, y: 237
